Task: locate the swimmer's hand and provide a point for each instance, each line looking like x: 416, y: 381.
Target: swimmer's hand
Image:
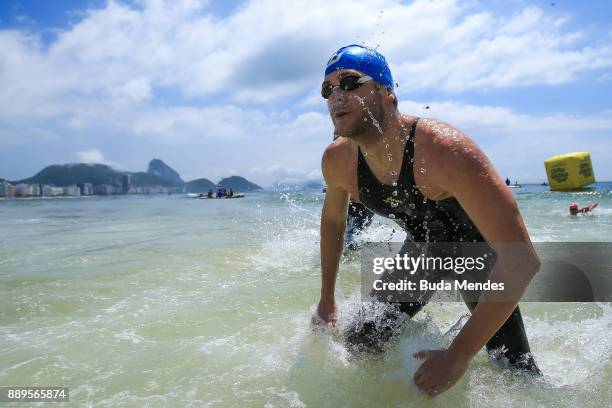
x: 326, y: 314
x: 440, y: 370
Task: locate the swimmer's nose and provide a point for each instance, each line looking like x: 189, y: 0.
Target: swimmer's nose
x: 336, y: 98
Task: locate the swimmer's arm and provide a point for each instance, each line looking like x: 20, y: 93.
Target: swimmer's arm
x: 471, y: 178
x: 333, y: 223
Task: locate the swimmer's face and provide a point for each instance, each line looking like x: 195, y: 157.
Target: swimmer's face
x: 352, y: 111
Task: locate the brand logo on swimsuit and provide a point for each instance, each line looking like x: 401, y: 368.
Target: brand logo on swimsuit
x: 392, y: 201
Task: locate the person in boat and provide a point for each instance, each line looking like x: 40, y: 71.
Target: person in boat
x: 507, y: 181
x: 575, y: 210
x: 231, y: 193
x: 210, y: 193
x: 437, y: 184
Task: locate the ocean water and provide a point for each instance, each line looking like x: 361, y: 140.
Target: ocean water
x: 167, y: 301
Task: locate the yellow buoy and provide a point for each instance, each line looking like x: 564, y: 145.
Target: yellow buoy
x: 569, y: 171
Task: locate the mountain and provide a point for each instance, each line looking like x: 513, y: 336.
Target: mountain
x: 314, y: 185
x: 159, y: 168
x: 62, y: 175
x: 68, y: 174
x: 200, y: 186
x: 158, y: 174
x: 238, y: 184
x: 142, y: 179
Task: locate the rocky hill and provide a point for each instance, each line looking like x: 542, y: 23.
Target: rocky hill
x: 199, y: 186
x: 238, y: 184
x: 159, y: 168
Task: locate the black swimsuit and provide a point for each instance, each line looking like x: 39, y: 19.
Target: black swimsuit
x: 423, y: 219
x: 426, y: 220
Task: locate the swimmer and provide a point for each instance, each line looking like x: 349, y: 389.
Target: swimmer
x: 435, y: 182
x: 574, y: 210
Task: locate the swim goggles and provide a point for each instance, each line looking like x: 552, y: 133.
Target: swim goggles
x: 347, y: 83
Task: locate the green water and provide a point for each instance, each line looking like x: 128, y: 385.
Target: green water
x: 168, y: 301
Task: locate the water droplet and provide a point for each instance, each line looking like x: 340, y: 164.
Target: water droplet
x: 394, y: 204
x: 394, y: 193
x: 422, y: 170
x: 392, y: 216
x: 412, y: 206
x: 374, y: 121
x: 390, y: 157
x: 394, y: 184
x: 365, y: 119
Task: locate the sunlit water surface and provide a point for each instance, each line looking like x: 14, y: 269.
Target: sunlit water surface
x: 169, y: 301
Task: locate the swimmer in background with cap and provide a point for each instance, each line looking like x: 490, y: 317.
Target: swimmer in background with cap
x: 438, y: 185
x: 574, y: 210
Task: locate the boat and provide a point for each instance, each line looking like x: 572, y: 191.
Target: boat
x: 205, y: 197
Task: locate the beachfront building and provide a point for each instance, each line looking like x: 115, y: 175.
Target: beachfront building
x: 86, y: 189
x: 104, y: 189
x: 7, y: 190
x: 52, y: 191
x: 72, y: 191
x: 126, y: 182
x: 36, y: 190
x: 27, y: 190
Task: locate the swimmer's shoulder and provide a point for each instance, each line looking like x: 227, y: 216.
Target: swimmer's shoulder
x: 339, y: 157
x: 340, y: 152
x: 448, y: 157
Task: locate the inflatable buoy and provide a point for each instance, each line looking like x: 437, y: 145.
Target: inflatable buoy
x: 569, y: 171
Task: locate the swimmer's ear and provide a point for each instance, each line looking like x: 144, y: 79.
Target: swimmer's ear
x: 392, y: 94
x: 394, y: 98
x: 388, y: 92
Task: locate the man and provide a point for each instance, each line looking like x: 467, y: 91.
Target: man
x: 437, y: 184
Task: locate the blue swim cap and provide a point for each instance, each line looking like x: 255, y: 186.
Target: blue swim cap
x: 362, y: 59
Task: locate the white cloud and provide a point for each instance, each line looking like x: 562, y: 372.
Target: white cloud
x: 498, y: 120
x: 284, y: 174
x: 238, y: 85
x: 268, y: 50
x: 94, y: 156
x: 90, y: 156
x: 519, y: 143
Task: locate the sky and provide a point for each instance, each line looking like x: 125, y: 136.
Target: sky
x: 220, y: 88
